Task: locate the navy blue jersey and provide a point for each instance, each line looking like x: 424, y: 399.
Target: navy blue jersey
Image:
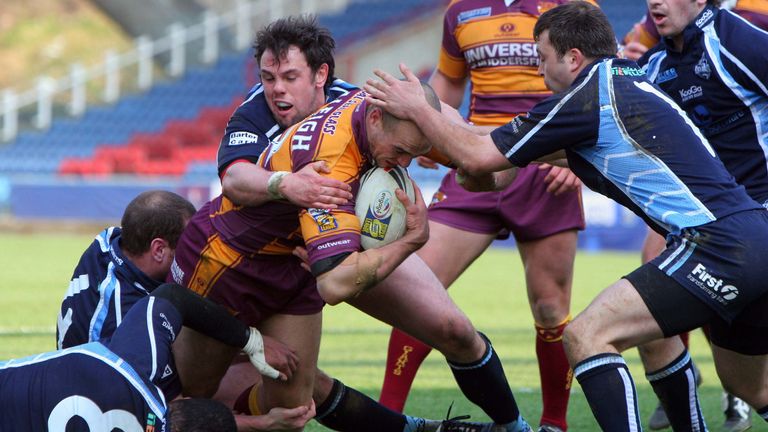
x: 628, y: 140
x: 94, y: 387
x: 252, y: 125
x: 104, y: 287
x: 720, y: 79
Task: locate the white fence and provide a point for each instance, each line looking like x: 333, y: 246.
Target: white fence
x: 138, y: 65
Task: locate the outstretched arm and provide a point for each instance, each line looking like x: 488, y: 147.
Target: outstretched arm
x: 215, y: 321
x: 246, y: 183
x: 475, y: 154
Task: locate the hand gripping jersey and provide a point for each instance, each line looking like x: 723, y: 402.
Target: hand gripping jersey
x: 335, y: 134
x: 252, y: 125
x: 628, y: 140
x: 492, y: 41
x: 104, y: 287
x: 95, y: 387
x: 722, y: 84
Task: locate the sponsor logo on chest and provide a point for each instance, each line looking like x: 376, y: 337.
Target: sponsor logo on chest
x: 666, y: 75
x: 692, y: 92
x: 473, y: 13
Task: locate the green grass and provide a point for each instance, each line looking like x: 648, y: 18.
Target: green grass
x: 37, y: 268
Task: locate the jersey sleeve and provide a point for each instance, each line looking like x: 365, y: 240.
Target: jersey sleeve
x: 451, y: 61
x: 144, y: 338
x: 328, y: 233
x: 248, y: 131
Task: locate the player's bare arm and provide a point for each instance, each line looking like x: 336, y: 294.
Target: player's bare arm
x: 248, y: 184
x: 362, y: 270
x: 449, y: 90
x: 474, y: 153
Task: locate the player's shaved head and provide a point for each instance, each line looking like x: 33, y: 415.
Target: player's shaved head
x: 429, y: 95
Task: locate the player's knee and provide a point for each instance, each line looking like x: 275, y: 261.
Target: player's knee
x: 753, y: 392
x: 549, y: 312
x: 456, y: 338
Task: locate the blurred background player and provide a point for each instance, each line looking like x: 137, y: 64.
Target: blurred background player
x: 115, y: 385
x: 680, y: 63
x: 491, y: 43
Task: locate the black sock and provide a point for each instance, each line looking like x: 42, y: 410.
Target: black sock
x: 610, y: 391
x: 675, y: 386
x: 483, y: 382
x: 763, y: 413
x: 347, y: 410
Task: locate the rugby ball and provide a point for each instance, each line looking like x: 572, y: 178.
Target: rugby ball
x: 382, y: 216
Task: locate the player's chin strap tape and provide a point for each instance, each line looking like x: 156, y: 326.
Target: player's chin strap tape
x: 204, y: 316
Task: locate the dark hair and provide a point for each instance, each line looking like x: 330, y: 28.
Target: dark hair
x: 579, y: 25
x: 301, y: 31
x: 200, y: 415
x: 715, y: 3
x: 154, y: 214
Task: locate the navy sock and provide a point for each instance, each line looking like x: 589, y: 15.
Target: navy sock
x: 610, y: 391
x: 346, y: 409
x: 483, y: 382
x: 675, y: 386
x: 763, y: 413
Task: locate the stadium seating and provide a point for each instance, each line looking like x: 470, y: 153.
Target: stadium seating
x: 174, y: 128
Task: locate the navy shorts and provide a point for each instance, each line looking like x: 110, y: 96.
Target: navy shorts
x: 714, y: 274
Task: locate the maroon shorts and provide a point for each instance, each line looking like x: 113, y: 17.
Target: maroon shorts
x: 524, y: 208
x: 253, y: 287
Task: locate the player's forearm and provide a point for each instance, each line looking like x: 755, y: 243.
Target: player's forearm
x: 450, y: 91
x: 361, y: 271
x: 246, y: 184
x: 476, y: 154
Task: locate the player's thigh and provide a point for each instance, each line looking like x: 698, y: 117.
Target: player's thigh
x: 302, y: 334
x: 548, y: 264
x: 201, y: 362
x: 745, y: 376
x: 616, y: 319
x: 413, y: 300
x: 653, y: 244
x: 443, y: 255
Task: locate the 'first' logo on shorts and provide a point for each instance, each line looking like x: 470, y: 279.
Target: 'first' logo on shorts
x: 727, y: 292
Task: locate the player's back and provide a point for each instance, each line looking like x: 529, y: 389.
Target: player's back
x: 104, y: 285
x: 85, y: 388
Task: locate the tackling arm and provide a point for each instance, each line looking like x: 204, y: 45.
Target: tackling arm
x: 249, y: 184
x: 473, y: 153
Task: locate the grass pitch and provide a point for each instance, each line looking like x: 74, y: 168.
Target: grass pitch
x: 36, y: 269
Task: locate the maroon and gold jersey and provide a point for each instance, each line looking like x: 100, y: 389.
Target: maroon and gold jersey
x: 334, y: 134
x: 492, y: 42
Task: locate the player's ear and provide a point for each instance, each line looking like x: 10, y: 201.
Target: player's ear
x: 321, y: 76
x: 158, y: 248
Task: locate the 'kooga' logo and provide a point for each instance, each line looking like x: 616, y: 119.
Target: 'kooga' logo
x: 704, y: 17
x: 693, y: 92
x: 728, y: 292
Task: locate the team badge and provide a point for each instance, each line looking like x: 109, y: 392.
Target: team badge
x: 702, y: 69
x: 324, y: 219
